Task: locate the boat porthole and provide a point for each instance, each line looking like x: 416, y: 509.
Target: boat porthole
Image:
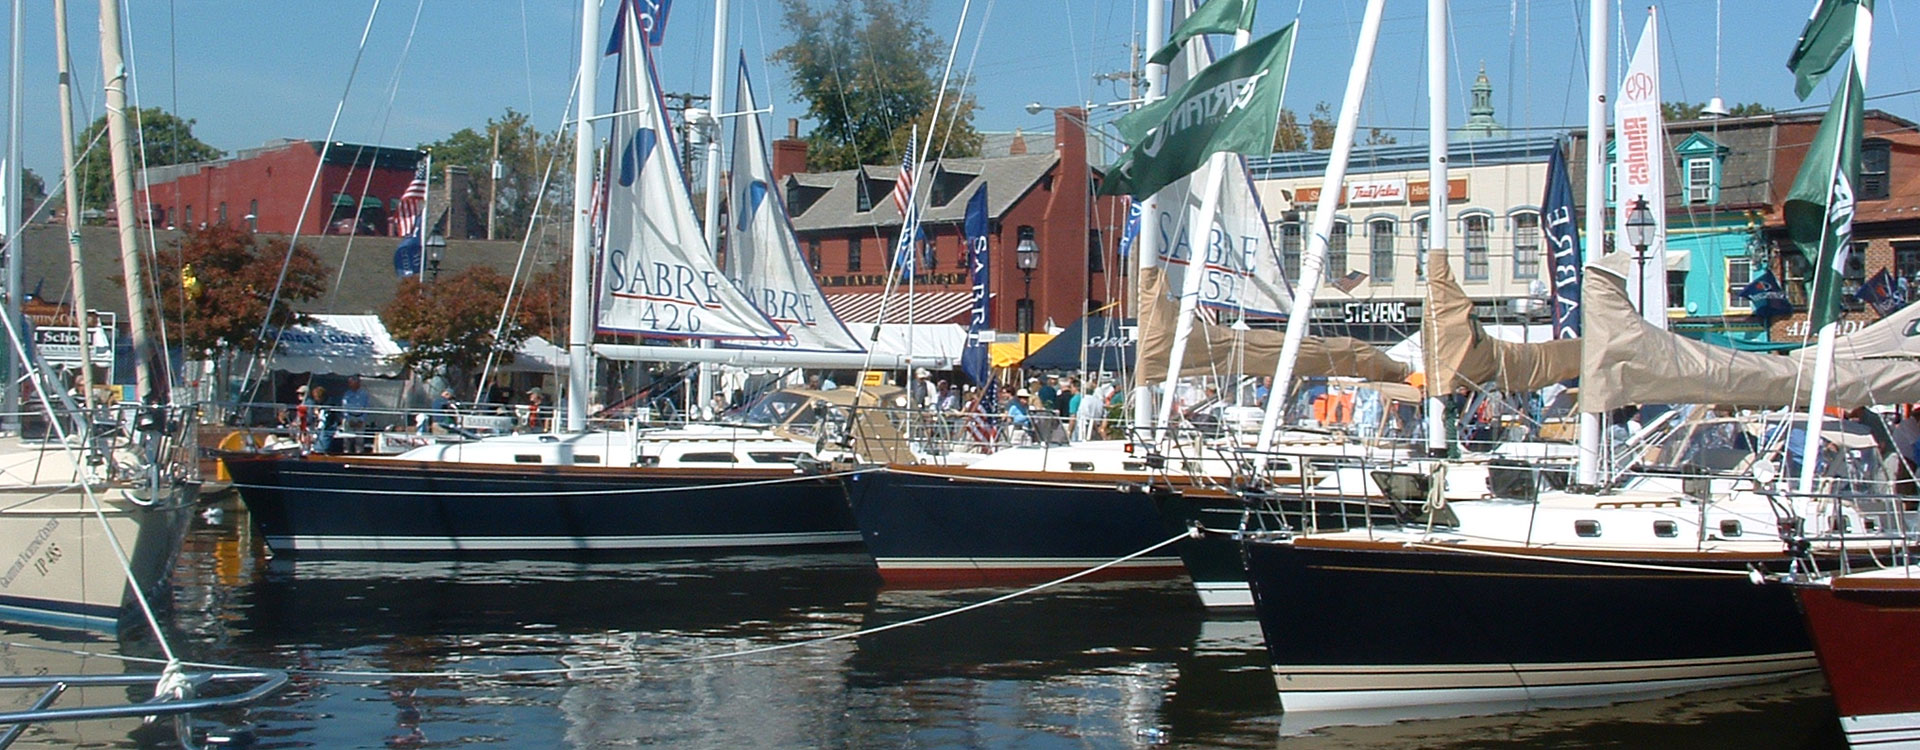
x: 1666, y: 529
x: 1586, y: 528
x: 1080, y: 465
x: 1730, y: 527
x: 524, y: 458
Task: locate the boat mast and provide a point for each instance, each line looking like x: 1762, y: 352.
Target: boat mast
x: 1436, y: 207
x: 579, y: 319
x: 1587, y: 461
x: 1300, y: 312
x: 10, y: 226
x: 1146, y: 242
x: 710, y: 129
x: 77, y: 273
x: 119, y: 139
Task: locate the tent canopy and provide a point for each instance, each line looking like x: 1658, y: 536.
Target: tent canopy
x: 1109, y: 343
x: 338, y: 345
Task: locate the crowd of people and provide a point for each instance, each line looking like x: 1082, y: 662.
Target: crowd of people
x: 323, y: 423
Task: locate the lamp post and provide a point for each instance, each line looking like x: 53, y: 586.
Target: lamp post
x: 436, y: 249
x: 1640, y: 227
x: 1026, y: 255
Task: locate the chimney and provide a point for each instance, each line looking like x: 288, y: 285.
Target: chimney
x: 789, y: 153
x: 1019, y: 145
x: 1070, y: 137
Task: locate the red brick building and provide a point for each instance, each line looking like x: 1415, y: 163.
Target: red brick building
x: 266, y: 188
x: 847, y: 225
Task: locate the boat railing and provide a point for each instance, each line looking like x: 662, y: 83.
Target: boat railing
x: 178, y: 695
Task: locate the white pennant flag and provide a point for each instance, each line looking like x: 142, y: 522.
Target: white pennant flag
x: 1639, y: 171
x: 657, y: 274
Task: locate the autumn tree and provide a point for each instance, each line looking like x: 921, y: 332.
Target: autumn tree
x: 546, y: 303
x: 869, y: 70
x: 216, y: 293
x: 1320, y: 123
x: 1289, y: 136
x: 525, y: 155
x: 162, y: 139
x: 450, y: 322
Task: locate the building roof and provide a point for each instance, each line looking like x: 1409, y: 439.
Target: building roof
x: 1398, y: 157
x: 837, y: 208
x: 340, y: 153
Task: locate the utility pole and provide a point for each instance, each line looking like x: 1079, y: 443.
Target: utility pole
x: 678, y: 104
x: 493, y: 181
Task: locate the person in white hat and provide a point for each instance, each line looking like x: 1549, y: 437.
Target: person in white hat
x: 1017, y: 411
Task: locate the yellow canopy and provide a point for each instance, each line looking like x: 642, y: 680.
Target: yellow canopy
x: 1010, y: 353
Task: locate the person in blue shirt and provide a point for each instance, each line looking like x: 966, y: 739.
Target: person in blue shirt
x: 1017, y: 411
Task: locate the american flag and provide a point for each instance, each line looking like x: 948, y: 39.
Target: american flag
x: 983, y: 428
x: 903, y: 187
x: 408, y: 215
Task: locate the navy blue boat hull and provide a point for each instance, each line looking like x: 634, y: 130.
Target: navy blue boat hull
x: 341, y: 506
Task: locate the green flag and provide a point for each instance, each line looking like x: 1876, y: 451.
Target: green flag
x: 1819, y: 208
x: 1214, y: 17
x: 1232, y: 105
x: 1828, y: 35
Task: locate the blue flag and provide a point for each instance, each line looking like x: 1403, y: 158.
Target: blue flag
x: 974, y: 359
x: 1131, y: 233
x: 1768, y: 297
x: 406, y: 257
x: 1879, y: 292
x: 1561, y: 227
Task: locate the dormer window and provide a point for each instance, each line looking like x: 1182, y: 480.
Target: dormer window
x: 1876, y: 156
x: 1701, y: 162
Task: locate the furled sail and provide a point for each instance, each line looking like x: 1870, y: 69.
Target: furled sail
x: 657, y: 275
x: 1210, y: 345
x: 763, y: 256
x: 1626, y: 361
x: 1463, y: 353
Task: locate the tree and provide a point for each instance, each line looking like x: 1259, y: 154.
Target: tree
x: 525, y: 154
x: 1289, y: 136
x: 1320, y: 123
x: 449, y: 322
x: 218, y: 297
x: 33, y: 190
x: 1676, y: 111
x: 869, y: 71
x: 546, y: 302
x: 163, y: 139
x: 1378, y: 137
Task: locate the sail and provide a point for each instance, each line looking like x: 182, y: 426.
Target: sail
x: 1463, y: 353
x: 1627, y: 361
x: 763, y: 256
x: 1242, y: 265
x: 657, y: 274
x: 1639, y: 173
x: 1211, y: 346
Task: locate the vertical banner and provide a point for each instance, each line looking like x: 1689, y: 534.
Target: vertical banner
x: 1562, y: 228
x: 1639, y: 166
x: 974, y: 359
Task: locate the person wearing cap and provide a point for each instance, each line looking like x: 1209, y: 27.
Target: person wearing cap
x: 1017, y: 411
x: 353, y: 406
x: 536, y: 410
x: 921, y: 390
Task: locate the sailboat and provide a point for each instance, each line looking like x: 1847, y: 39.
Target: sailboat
x: 93, y: 513
x: 598, y: 492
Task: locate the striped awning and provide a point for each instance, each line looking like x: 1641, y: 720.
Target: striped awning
x: 925, y: 307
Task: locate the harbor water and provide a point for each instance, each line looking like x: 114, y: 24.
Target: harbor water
x: 735, y: 651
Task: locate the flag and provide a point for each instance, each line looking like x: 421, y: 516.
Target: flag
x: 974, y: 359
x: 1880, y: 293
x: 408, y: 214
x: 1348, y: 282
x: 406, y: 257
x: 1561, y: 225
x: 1828, y: 34
x: 1215, y: 17
x: 1768, y: 298
x: 1640, y: 152
x: 1819, y: 207
x: 983, y: 427
x: 1233, y: 105
x: 1131, y: 233
x: 903, y: 186
x: 903, y: 194
x: 651, y: 16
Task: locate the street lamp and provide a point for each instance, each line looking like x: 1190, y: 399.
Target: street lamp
x: 1640, y: 227
x: 436, y: 250
x: 1026, y: 256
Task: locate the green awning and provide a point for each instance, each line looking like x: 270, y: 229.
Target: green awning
x: 342, y: 199
x: 370, y: 202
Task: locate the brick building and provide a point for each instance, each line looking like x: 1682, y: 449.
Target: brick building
x: 266, y: 188
x: 847, y: 225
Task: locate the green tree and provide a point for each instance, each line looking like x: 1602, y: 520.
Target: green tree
x: 449, y: 322
x: 1676, y: 111
x: 525, y: 153
x: 216, y: 293
x: 869, y: 70
x: 161, y: 137
x: 33, y: 190
x: 1378, y: 137
x: 1289, y: 136
x: 1321, y: 124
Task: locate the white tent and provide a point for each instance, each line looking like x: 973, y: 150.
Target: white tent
x: 1409, y: 351
x: 941, y: 341
x: 538, y: 355
x: 338, y: 345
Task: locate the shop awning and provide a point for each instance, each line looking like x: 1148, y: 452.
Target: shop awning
x: 925, y: 307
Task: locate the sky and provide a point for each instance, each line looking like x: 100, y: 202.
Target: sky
x: 248, y: 72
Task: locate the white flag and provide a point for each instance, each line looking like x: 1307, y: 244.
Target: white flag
x: 657, y: 273
x: 763, y: 256
x: 1639, y: 158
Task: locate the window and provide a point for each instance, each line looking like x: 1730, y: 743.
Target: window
x: 1906, y: 262
x: 853, y: 253
x: 186, y: 214
x: 1700, y: 182
x: 1853, y: 277
x: 1476, y: 229
x: 1380, y: 242
x: 223, y: 212
x: 1290, y: 249
x: 1875, y: 157
x: 1096, y: 259
x: 1337, y: 250
x: 1739, y: 275
x: 1526, y: 245
x: 1676, y: 289
x: 813, y: 254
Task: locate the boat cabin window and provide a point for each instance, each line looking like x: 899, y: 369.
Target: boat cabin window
x: 585, y: 458
x: 1586, y: 528
x: 1731, y: 527
x: 707, y: 458
x: 780, y: 407
x: 1080, y: 465
x: 526, y: 458
x: 1666, y: 529
x: 775, y: 457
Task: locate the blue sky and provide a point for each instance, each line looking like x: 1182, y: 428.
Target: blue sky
x: 250, y: 71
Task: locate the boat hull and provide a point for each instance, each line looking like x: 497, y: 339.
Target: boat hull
x: 938, y: 526
x: 1865, y: 636
x: 1367, y: 625
x: 58, y: 562
x: 1213, y: 558
x: 360, y: 507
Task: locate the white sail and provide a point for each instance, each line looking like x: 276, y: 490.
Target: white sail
x: 763, y: 256
x: 657, y: 274
x: 1640, y: 157
x: 1244, y: 269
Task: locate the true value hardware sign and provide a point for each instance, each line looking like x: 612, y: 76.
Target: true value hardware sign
x: 60, y: 345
